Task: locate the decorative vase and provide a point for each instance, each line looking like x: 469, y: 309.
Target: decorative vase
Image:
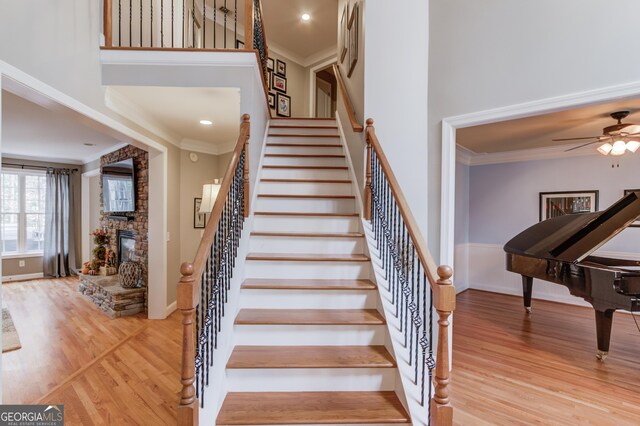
x: 130, y: 274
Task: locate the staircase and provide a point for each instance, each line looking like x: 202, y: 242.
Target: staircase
x: 309, y: 336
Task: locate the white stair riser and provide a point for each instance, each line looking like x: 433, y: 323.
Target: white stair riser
x: 311, y: 379
x: 305, y: 174
x: 310, y: 122
x: 308, y: 269
x: 304, y: 161
x: 308, y: 299
x: 307, y: 205
x: 309, y: 335
x: 303, y: 131
x: 306, y: 224
x: 302, y: 149
x: 306, y: 188
x: 324, y: 245
x: 303, y: 139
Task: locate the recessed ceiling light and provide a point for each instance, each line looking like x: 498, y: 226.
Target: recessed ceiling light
x: 305, y: 17
x: 89, y: 144
x: 206, y: 122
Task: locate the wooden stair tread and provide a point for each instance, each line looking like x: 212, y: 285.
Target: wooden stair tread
x: 244, y: 357
x: 300, y: 126
x: 306, y: 214
x: 317, y: 197
x: 272, y: 135
x: 309, y: 234
x: 269, y: 166
x: 305, y: 155
x: 307, y: 284
x: 302, y: 118
x: 306, y: 145
x: 309, y: 317
x: 276, y: 408
x: 307, y: 180
x: 311, y: 257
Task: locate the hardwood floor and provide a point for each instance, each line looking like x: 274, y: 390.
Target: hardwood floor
x: 105, y: 371
x: 510, y: 368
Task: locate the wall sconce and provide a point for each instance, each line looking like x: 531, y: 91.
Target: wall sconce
x: 209, y: 195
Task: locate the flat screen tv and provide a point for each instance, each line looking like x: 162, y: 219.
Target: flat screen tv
x: 118, y: 187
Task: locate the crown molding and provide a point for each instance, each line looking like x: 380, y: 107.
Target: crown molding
x: 105, y: 151
x: 470, y: 158
x: 206, y: 147
x: 464, y: 155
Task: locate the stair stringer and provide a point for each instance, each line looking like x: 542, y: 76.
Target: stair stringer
x: 216, y: 391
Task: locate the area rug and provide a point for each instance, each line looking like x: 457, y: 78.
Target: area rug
x: 10, y: 339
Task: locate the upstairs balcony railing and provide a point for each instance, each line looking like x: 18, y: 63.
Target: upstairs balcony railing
x: 207, y: 25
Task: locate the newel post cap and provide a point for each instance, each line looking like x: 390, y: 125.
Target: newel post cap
x: 369, y: 122
x: 186, y: 269
x: 445, y: 272
x: 246, y: 118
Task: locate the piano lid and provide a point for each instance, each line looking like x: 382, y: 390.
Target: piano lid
x: 571, y: 238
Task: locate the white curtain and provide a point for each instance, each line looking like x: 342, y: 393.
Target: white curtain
x: 59, y: 238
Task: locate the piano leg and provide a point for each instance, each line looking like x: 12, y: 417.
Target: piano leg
x: 604, y: 319
x: 527, y: 286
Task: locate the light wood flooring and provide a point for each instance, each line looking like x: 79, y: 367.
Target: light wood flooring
x: 514, y: 369
x: 105, y: 371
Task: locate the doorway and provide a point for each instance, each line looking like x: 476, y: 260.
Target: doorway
x: 326, y: 93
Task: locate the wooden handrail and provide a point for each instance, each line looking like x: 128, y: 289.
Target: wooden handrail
x: 107, y: 27
x: 189, y: 286
x: 355, y: 126
x: 444, y: 292
x: 248, y: 24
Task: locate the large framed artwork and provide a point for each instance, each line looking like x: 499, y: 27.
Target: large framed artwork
x: 353, y: 39
x: 635, y: 224
x: 199, y: 219
x: 554, y: 204
x: 344, y: 36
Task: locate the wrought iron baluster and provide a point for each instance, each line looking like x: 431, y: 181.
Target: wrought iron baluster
x: 172, y: 22
x: 151, y: 23
x: 193, y: 24
x: 225, y: 24
x: 235, y: 24
x: 130, y: 23
x: 141, y: 23
x: 215, y: 20
x: 119, y: 23
x: 161, y: 23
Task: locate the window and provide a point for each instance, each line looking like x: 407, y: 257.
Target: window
x: 22, y: 211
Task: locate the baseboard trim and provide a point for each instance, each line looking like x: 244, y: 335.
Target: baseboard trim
x: 22, y: 277
x: 172, y: 307
x: 492, y: 288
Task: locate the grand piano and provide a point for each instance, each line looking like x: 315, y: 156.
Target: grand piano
x: 559, y: 250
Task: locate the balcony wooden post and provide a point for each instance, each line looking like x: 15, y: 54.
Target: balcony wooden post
x: 107, y: 25
x: 249, y: 18
x: 188, y: 406
x: 246, y: 122
x: 444, y: 302
x: 367, y: 183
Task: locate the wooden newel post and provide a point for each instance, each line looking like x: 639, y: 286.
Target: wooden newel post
x: 248, y: 24
x: 444, y: 302
x: 367, y: 182
x: 246, y: 122
x: 188, y: 405
x: 106, y: 22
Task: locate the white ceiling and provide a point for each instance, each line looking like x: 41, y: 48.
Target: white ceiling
x: 174, y: 114
x: 32, y: 131
x: 285, y: 29
x: 538, y: 132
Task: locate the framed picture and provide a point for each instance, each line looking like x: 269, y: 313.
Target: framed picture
x: 199, y: 219
x: 270, y: 64
x: 344, y: 36
x: 635, y: 224
x: 283, y: 105
x: 239, y: 44
x: 353, y: 39
x: 554, y: 204
x: 270, y: 80
x: 281, y: 68
x: 272, y: 100
x: 279, y: 83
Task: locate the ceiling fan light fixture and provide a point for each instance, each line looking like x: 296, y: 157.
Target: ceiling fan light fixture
x: 619, y: 148
x: 632, y: 146
x: 605, y: 149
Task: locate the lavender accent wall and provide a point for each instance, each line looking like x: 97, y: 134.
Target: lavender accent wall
x: 461, y: 234
x: 503, y: 198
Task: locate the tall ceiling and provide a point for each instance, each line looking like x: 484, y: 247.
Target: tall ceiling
x: 32, y: 131
x: 286, y: 30
x: 538, y: 131
x: 175, y: 112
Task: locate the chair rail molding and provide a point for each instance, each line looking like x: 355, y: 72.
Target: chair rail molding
x: 510, y: 112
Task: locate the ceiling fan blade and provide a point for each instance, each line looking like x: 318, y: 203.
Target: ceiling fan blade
x: 576, y: 139
x: 580, y: 146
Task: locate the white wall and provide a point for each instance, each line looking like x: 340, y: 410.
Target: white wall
x: 496, y: 53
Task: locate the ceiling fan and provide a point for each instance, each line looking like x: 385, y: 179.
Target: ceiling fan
x: 617, y: 138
